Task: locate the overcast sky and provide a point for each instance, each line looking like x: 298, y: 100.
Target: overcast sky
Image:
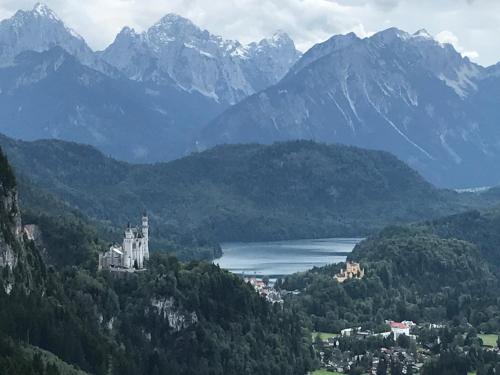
x: 473, y: 26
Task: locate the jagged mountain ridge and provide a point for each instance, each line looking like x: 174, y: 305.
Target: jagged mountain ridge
x: 39, y: 30
x: 403, y: 93
x: 166, y: 83
x: 174, y: 49
x: 399, y: 92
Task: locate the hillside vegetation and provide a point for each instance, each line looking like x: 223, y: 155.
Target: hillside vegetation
x: 174, y: 318
x: 410, y: 275
x: 233, y: 193
x: 478, y: 227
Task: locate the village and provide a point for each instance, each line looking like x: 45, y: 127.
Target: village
x: 402, y: 348
x: 266, y: 289
x: 354, y: 346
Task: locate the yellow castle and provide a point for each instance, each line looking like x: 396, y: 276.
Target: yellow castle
x: 352, y: 271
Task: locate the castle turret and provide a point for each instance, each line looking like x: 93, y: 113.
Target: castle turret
x: 145, y: 235
x: 128, y: 241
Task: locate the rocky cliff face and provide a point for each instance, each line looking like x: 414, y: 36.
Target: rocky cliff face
x: 176, y: 50
x: 11, y: 230
x: 178, y: 318
x: 17, y: 253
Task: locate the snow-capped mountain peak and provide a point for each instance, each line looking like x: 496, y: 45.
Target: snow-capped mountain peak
x: 38, y: 30
x: 391, y: 35
x: 127, y: 31
x: 43, y: 10
x: 175, y: 20
x: 279, y: 37
x: 422, y: 33
x: 175, y: 49
x: 405, y: 93
x: 335, y: 43
x: 174, y: 27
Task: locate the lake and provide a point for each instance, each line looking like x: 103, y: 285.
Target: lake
x: 281, y: 258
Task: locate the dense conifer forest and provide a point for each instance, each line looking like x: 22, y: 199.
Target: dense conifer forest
x: 410, y: 275
x: 187, y: 318
x: 193, y: 318
x: 287, y: 190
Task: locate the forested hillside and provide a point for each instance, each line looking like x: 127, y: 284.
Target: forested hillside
x: 479, y: 227
x: 174, y: 318
x: 241, y: 192
x: 410, y: 275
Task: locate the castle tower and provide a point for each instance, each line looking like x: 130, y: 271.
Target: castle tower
x: 145, y: 235
x: 128, y: 241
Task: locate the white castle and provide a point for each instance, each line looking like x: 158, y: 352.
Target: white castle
x: 133, y: 251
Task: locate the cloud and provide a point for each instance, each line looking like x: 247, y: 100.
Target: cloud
x: 447, y: 37
x: 307, y: 21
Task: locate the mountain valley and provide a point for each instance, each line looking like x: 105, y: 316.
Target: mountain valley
x: 177, y: 202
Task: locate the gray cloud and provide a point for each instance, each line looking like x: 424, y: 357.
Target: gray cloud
x: 473, y: 24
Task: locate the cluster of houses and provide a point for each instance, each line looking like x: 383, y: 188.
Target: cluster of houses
x: 265, y: 289
x: 341, y: 362
x: 352, y: 271
x: 406, y: 359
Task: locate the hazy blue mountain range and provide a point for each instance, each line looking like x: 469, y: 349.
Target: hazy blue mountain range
x: 174, y: 88
x: 403, y: 93
x: 143, y: 99
x: 174, y: 49
x: 52, y: 95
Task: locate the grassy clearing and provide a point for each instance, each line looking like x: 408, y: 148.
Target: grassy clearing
x: 324, y: 372
x: 489, y: 340
x: 324, y: 336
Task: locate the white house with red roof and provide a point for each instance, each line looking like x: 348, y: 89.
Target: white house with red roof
x: 399, y: 329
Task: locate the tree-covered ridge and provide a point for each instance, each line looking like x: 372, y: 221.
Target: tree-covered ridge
x: 17, y: 358
x: 479, y: 227
x: 402, y: 257
x: 171, y: 319
x: 240, y: 192
x: 410, y: 275
x: 226, y: 327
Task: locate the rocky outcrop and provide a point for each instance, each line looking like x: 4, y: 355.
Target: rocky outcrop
x: 16, y: 262
x: 11, y: 231
x: 177, y: 318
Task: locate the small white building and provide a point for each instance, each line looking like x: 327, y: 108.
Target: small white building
x: 133, y: 251
x: 349, y: 331
x: 399, y: 329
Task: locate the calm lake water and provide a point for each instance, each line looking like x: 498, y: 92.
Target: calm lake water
x: 283, y: 257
